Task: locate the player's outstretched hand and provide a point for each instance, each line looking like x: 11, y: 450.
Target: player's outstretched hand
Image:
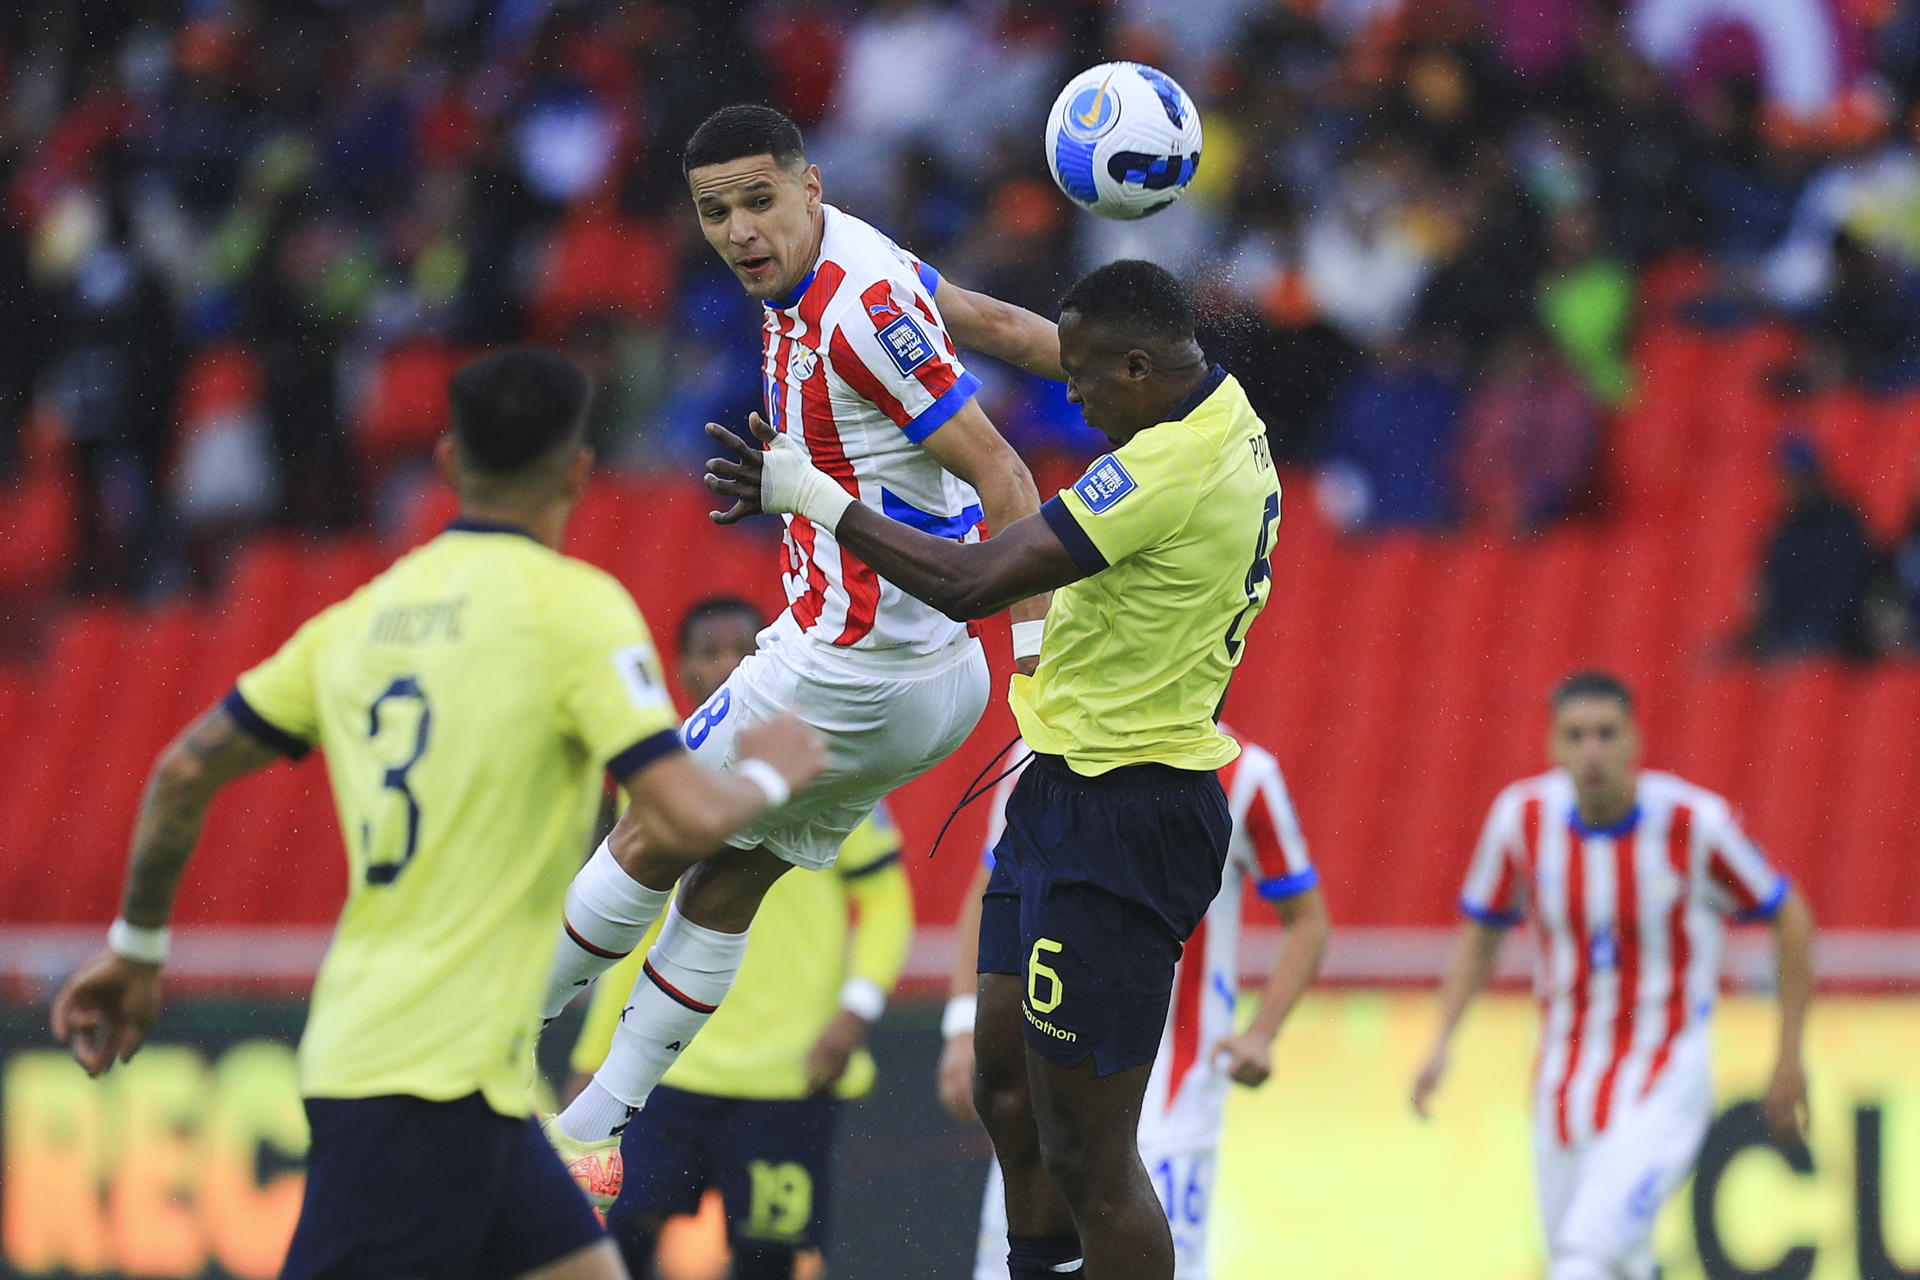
x: 827, y: 1060
x: 954, y: 1079
x: 738, y: 477
x: 106, y: 1009
x: 1785, y: 1105
x: 1247, y: 1059
x: 1427, y: 1081
x: 789, y: 746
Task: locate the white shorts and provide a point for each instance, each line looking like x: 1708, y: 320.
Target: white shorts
x: 887, y: 718
x: 1599, y: 1198
x: 1182, y: 1180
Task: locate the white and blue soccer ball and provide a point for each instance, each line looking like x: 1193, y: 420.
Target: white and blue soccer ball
x: 1123, y: 140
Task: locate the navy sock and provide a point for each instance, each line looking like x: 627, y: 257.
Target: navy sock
x: 1043, y: 1257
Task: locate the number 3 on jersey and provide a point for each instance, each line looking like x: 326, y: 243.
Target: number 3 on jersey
x: 397, y: 726
x: 1259, y: 577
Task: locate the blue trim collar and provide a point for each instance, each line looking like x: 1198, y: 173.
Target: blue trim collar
x: 470, y: 524
x: 1208, y: 385
x: 1615, y: 831
x: 792, y: 300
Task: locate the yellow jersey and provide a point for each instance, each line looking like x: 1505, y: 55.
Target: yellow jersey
x: 1173, y: 529
x: 467, y: 701
x: 799, y: 952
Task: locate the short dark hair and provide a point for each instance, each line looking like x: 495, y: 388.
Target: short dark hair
x: 1133, y: 297
x: 1591, y: 684
x: 742, y: 130
x: 513, y: 408
x: 716, y: 607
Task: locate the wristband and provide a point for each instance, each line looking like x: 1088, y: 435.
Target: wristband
x: 958, y: 1018
x: 131, y: 942
x: 764, y: 776
x: 863, y: 998
x: 1026, y: 638
x: 789, y: 482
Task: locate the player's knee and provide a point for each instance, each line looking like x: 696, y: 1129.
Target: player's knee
x: 1007, y: 1113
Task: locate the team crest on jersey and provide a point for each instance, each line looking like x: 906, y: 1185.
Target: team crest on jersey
x: 803, y: 362
x: 1105, y: 483
x: 906, y: 344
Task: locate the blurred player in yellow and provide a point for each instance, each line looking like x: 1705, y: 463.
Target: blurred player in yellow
x: 468, y: 701
x: 751, y: 1106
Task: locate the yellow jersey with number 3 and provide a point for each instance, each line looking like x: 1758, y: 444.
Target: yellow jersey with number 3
x: 467, y: 701
x: 1173, y: 529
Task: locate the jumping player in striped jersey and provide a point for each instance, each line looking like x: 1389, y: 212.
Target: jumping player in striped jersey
x: 861, y: 374
x: 1626, y: 876
x: 1200, y: 1053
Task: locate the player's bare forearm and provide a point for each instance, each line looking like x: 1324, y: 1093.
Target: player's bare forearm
x: 980, y: 322
x: 964, y: 582
x: 211, y: 752
x: 1467, y: 973
x: 969, y: 446
x: 1793, y: 960
x: 1296, y: 963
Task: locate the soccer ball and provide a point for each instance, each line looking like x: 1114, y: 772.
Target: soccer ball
x: 1123, y: 140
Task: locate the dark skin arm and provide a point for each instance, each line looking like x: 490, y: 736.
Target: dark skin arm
x: 962, y: 581
x: 106, y: 1008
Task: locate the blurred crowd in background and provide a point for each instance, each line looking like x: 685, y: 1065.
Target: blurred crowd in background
x: 242, y: 244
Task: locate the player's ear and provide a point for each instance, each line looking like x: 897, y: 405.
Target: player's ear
x: 1137, y: 364
x: 579, y: 471
x: 446, y: 460
x: 810, y: 182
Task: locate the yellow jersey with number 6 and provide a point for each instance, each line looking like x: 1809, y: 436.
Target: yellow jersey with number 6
x: 1172, y: 529
x: 467, y: 701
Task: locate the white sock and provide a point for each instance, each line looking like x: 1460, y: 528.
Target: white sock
x: 608, y: 912
x: 687, y: 973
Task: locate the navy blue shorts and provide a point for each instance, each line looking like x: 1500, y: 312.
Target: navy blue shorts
x: 1096, y: 886
x: 405, y: 1188
x: 769, y: 1159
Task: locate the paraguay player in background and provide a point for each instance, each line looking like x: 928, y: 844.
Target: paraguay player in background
x: 468, y: 701
x: 1626, y: 875
x: 1200, y: 1053
x: 862, y: 376
x: 752, y: 1106
x: 1117, y: 833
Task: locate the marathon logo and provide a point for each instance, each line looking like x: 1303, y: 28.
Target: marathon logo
x: 906, y: 344
x: 1046, y: 1028
x: 1105, y: 483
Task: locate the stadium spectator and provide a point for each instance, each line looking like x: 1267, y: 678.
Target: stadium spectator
x: 1389, y: 433
x: 1817, y: 568
x: 1527, y: 437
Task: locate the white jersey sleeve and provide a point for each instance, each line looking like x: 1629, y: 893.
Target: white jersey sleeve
x: 1267, y: 838
x: 1495, y: 892
x: 1738, y: 882
x: 890, y: 346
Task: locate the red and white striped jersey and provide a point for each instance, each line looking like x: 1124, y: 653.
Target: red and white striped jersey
x: 857, y: 367
x: 1627, y: 925
x: 1186, y: 1094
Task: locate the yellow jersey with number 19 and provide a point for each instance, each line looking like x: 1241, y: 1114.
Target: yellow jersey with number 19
x: 467, y: 701
x: 1173, y: 529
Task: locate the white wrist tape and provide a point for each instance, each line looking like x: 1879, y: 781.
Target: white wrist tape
x: 958, y: 1018
x: 790, y: 482
x: 764, y: 776
x: 131, y: 942
x: 863, y: 998
x: 1026, y: 638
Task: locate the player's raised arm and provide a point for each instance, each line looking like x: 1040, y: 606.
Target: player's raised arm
x: 105, y: 1010
x: 999, y: 329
